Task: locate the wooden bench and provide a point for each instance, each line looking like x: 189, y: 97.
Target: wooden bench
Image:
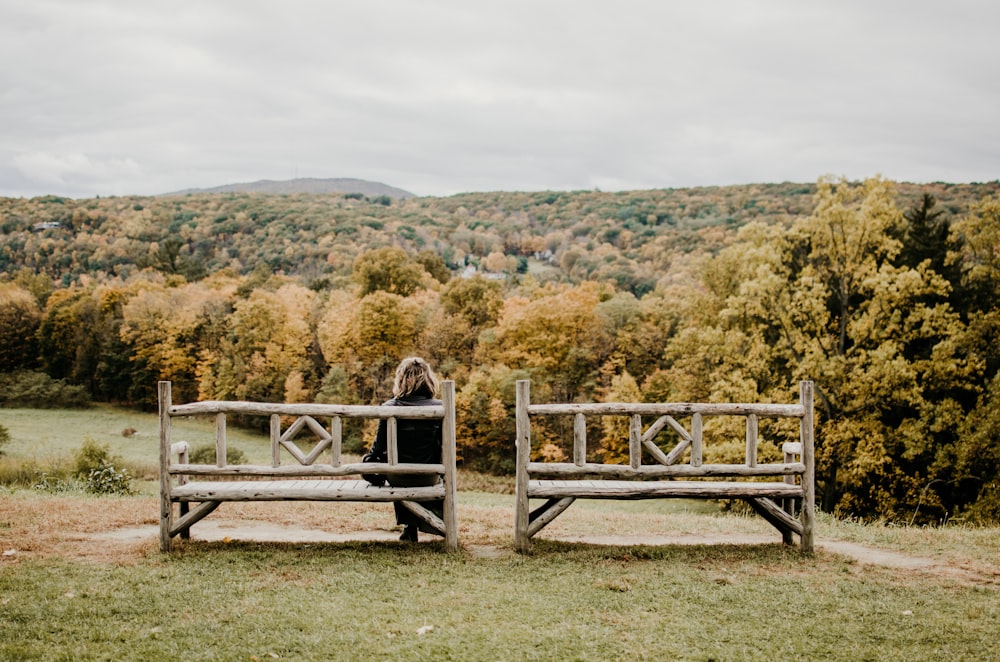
x: 774, y: 490
x: 314, y: 475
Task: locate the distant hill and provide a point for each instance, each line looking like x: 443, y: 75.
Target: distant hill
x: 306, y: 185
x: 638, y: 240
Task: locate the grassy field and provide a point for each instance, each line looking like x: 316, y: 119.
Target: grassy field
x: 47, y: 433
x: 68, y: 592
x: 73, y: 588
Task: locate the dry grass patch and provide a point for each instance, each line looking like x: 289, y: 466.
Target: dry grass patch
x: 43, y: 526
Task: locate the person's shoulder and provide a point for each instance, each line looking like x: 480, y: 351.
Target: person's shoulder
x: 415, y: 401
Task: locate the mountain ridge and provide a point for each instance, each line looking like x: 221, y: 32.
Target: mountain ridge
x: 312, y: 185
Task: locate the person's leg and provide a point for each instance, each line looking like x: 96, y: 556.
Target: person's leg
x: 410, y: 522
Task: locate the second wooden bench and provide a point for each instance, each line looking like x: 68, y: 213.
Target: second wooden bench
x: 781, y: 492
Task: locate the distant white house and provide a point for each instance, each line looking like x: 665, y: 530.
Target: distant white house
x: 544, y: 256
x: 470, y: 271
x: 47, y: 225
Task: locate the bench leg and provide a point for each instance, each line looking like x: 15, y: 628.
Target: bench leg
x: 777, y: 517
x: 184, y: 524
x: 166, y: 523
x: 551, y: 509
x: 808, y: 516
x: 789, y: 506
x: 185, y: 509
x: 426, y: 516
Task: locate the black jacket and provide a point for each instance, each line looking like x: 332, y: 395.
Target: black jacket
x: 418, y: 440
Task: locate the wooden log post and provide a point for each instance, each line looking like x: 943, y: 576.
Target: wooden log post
x: 182, y: 448
x: 696, y: 440
x: 166, y: 507
x: 790, y: 451
x: 635, y: 441
x: 221, y: 451
x: 523, y: 442
x: 752, y: 429
x: 392, y: 440
x: 579, y: 440
x: 448, y: 458
x: 337, y: 437
x: 807, y: 437
x: 275, y: 440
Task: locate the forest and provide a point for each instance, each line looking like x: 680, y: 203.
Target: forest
x: 883, y: 293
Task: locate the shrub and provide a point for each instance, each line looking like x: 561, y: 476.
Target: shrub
x: 4, y: 437
x: 90, y: 457
x: 94, y: 464
x: 107, y: 479
x: 205, y: 454
x: 36, y: 389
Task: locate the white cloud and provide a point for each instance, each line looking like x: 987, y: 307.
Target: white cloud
x: 444, y: 95
x: 75, y: 170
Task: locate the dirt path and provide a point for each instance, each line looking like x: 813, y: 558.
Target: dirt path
x: 221, y: 530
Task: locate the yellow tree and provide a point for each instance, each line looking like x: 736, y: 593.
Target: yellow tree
x: 980, y: 233
x: 388, y: 269
x: 466, y: 308
x: 640, y: 328
x: 824, y: 301
x: 367, y: 338
x: 269, y: 339
x: 19, y: 319
x: 164, y: 327
x: 558, y: 335
x: 615, y: 429
x: 59, y: 333
x: 715, y: 354
x: 79, y: 341
x: 484, y: 410
x: 978, y: 454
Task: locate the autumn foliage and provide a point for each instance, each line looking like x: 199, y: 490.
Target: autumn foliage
x: 884, y: 294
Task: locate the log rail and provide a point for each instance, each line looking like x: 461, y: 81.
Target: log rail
x: 786, y: 501
x: 296, y: 474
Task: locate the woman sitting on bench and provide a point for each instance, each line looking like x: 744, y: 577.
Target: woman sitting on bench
x: 419, y: 440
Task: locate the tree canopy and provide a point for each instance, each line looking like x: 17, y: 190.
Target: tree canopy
x: 884, y: 294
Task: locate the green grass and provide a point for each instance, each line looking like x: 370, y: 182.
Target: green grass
x: 237, y: 601
x: 246, y: 600
x: 46, y: 433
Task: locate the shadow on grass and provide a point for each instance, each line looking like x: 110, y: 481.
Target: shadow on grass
x: 543, y: 552
x: 681, y: 553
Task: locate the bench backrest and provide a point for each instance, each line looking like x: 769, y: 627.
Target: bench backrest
x: 797, y: 461
x: 287, y: 421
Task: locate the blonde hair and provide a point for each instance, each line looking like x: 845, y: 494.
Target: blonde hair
x: 413, y: 374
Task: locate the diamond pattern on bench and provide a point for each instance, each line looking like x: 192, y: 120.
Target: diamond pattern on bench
x: 657, y: 426
x: 325, y: 439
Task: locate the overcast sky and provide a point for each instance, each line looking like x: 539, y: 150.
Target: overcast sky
x: 445, y: 96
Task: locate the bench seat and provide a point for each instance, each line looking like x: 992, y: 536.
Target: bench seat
x: 630, y: 489
x: 301, y: 490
